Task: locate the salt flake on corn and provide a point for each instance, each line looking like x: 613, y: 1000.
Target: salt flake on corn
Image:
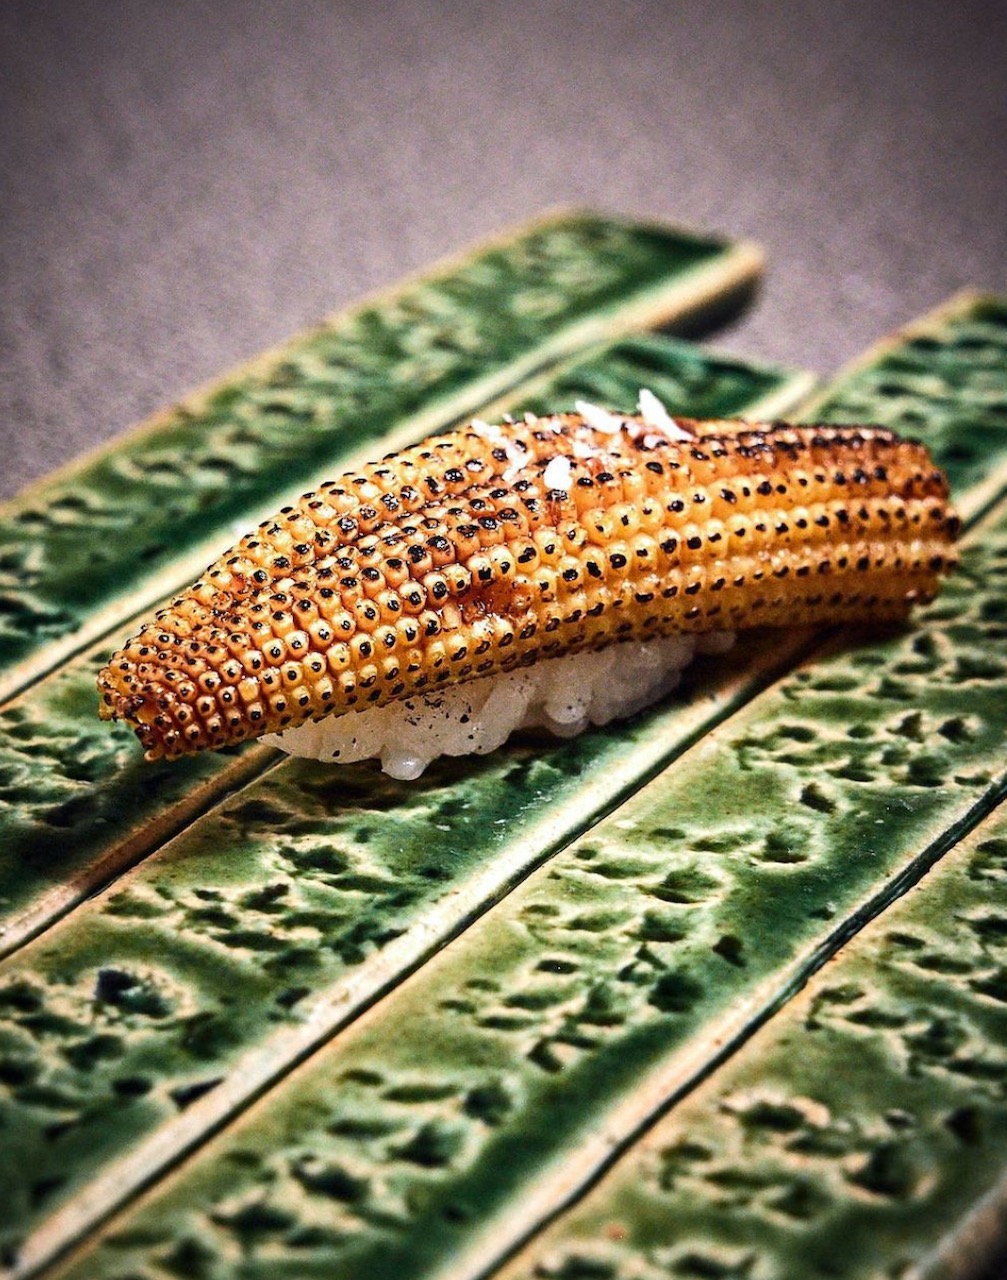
x: 557, y: 473
x: 655, y: 415
x: 599, y: 419
x: 517, y: 459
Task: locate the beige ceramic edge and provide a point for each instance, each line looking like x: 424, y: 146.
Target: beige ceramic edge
x: 973, y: 1245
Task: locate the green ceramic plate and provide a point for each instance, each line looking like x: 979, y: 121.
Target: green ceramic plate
x: 861, y: 1132
x: 264, y: 1019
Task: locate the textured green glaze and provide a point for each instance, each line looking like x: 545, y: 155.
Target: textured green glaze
x: 849, y: 1136
x: 77, y: 802
x: 471, y: 1102
x: 945, y: 380
x: 236, y: 939
x: 104, y: 533
x: 680, y: 374
x: 279, y: 907
x: 435, y: 1131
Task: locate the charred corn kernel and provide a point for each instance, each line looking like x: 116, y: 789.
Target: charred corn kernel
x: 487, y: 548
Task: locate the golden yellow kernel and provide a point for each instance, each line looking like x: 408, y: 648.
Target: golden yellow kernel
x: 430, y: 567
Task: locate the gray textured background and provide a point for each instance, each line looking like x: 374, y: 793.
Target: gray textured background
x: 183, y: 184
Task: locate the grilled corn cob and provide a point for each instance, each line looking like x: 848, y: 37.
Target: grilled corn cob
x: 493, y: 546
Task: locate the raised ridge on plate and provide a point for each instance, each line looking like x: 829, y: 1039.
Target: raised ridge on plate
x: 112, y: 533
x: 853, y: 1134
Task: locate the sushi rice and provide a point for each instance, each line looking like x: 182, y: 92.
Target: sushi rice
x: 563, y: 695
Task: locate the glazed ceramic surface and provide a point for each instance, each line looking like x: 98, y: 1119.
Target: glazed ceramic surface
x: 534, y: 1014
x: 115, y: 532
x: 869, y: 1111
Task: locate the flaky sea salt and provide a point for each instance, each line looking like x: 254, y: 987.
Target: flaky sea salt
x: 598, y: 418
x: 557, y: 474
x: 500, y: 440
x: 657, y: 416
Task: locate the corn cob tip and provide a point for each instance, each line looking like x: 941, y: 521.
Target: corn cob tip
x: 494, y: 546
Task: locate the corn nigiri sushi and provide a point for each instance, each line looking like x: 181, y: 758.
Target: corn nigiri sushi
x: 558, y: 570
